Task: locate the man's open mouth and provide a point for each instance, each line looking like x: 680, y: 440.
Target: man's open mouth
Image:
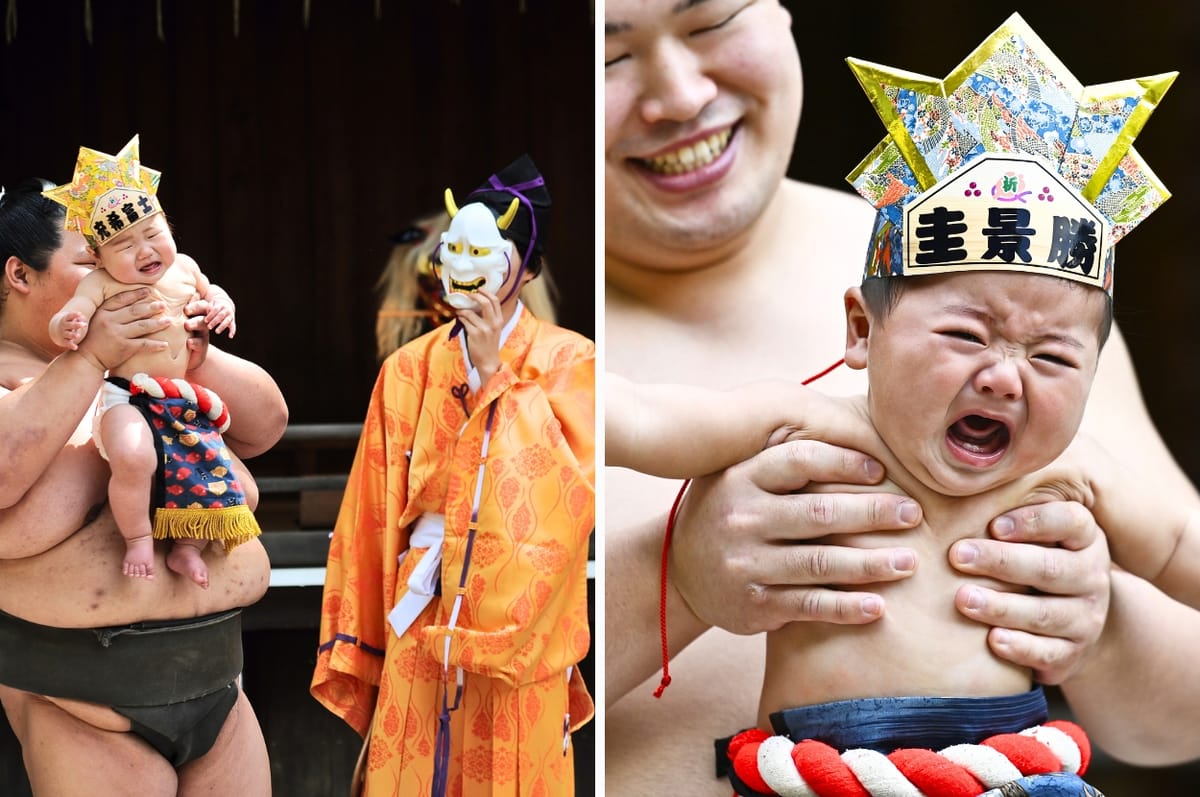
x: 691, y: 157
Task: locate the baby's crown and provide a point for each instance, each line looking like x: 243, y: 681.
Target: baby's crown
x: 108, y: 193
x: 1009, y: 163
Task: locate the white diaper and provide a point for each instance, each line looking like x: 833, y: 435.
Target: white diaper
x: 110, y: 396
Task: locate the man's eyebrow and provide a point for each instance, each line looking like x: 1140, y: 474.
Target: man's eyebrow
x: 613, y: 28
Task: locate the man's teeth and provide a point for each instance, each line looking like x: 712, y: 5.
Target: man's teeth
x: 691, y: 157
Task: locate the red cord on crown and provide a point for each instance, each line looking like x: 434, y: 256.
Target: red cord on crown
x: 662, y: 575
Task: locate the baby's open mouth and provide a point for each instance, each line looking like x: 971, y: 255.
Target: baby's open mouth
x: 980, y: 436
x: 468, y: 287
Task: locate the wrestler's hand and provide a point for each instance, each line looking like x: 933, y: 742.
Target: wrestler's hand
x: 483, y: 324
x: 1058, y: 551
x: 196, y: 324
x: 740, y: 557
x: 119, y: 328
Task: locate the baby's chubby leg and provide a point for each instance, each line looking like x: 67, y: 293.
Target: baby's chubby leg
x: 185, y: 559
x: 133, y: 459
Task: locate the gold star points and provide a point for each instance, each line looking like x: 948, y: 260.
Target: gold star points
x: 1012, y: 95
x: 101, y: 184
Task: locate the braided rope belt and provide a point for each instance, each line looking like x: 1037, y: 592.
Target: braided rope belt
x: 775, y: 765
x: 207, y: 401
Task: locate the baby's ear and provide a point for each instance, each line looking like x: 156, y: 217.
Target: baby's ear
x: 858, y: 328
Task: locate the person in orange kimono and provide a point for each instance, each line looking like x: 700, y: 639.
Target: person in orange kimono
x: 410, y: 291
x: 455, y: 603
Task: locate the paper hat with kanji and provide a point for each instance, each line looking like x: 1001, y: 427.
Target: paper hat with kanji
x: 108, y: 193
x: 1009, y: 163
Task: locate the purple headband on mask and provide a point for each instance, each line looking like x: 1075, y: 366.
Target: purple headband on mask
x: 517, y: 190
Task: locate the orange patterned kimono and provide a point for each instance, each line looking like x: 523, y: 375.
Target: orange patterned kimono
x: 523, y: 620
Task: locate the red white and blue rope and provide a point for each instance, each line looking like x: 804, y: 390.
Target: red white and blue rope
x: 207, y: 401
x: 775, y: 765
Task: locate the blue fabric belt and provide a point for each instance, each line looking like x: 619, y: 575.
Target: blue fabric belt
x: 885, y: 724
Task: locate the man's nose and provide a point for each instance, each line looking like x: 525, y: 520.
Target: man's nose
x: 676, y: 87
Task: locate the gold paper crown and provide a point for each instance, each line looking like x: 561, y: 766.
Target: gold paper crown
x: 108, y: 193
x: 1008, y: 163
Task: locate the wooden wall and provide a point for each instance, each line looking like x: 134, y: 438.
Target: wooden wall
x: 292, y: 144
x: 291, y: 150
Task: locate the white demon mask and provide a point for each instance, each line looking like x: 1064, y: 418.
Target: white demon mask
x: 474, y: 255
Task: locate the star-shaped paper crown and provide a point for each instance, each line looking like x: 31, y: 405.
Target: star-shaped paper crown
x: 108, y: 193
x: 1008, y: 163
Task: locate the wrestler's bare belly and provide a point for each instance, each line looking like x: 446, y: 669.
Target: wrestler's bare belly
x: 61, y: 556
x: 79, y: 583
x: 61, y: 566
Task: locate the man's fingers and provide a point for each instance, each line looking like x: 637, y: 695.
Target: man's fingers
x: 1065, y: 523
x: 488, y: 303
x: 1048, y: 634
x: 792, y: 465
x: 1056, y: 571
x: 812, y: 565
x: 1051, y: 629
x: 811, y: 515
x: 784, y: 468
x: 145, y: 326
x: 825, y: 605
x: 1052, y: 659
x: 1046, y: 615
x: 139, y: 311
x: 125, y: 298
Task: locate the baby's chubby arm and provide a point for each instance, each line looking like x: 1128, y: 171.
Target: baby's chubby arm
x: 1150, y: 533
x: 220, y: 314
x: 682, y: 431
x: 70, y: 324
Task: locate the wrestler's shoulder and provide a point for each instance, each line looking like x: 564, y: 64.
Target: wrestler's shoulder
x: 17, y: 366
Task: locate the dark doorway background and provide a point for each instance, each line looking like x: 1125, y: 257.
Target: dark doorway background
x: 295, y: 136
